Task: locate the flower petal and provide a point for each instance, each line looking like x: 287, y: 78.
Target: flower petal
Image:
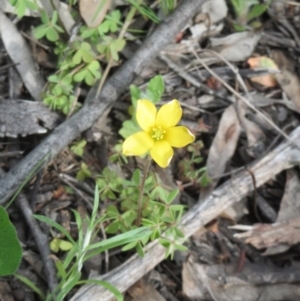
x: 179, y: 136
x: 162, y: 153
x: 169, y: 114
x: 145, y: 114
x: 137, y: 144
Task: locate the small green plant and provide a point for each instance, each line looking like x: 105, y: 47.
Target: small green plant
x: 118, y: 156
x: 190, y: 166
x: 168, y: 6
x: 49, y: 29
x: 69, y: 270
x: 247, y: 12
x: 22, y: 5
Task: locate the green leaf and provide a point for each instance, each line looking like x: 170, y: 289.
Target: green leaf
x: 179, y: 233
x: 55, y: 225
x: 113, y: 227
x: 54, y: 17
x: 44, y: 17
x: 112, y: 211
x: 40, y: 31
x: 164, y: 242
x: 121, y: 239
x: 180, y: 247
x: 129, y: 128
x: 60, y: 268
x: 52, y: 34
x: 115, y: 16
x: 136, y: 177
x: 31, y: 5
x: 54, y: 245
x: 65, y: 245
x: 115, y: 47
x: 172, y: 195
x: 21, y: 8
x: 10, y: 248
x: 140, y: 250
x: 94, y: 68
x: 155, y: 88
x: 78, y: 147
x: 79, y: 76
x: 240, y: 6
x: 84, y: 53
x: 135, y: 93
x: 129, y: 246
x: 95, y: 208
x: 31, y: 285
x: 257, y: 10
x: 68, y: 286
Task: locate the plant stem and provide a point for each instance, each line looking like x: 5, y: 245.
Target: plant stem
x: 126, y: 24
x: 140, y: 200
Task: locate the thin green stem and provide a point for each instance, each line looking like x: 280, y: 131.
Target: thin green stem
x: 142, y: 187
x: 126, y: 24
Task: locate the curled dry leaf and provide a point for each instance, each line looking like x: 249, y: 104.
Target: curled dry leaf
x: 267, y: 80
x: 287, y: 79
x: 93, y: 12
x: 223, y: 146
x: 255, y: 135
x: 237, y: 46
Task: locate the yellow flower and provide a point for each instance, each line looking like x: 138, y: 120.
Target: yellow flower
x: 160, y: 132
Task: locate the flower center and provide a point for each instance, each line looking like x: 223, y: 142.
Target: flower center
x: 157, y: 133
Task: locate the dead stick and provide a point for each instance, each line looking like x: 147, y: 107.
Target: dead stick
x: 232, y: 191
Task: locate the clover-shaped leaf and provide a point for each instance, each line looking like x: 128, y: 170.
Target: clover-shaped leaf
x: 22, y: 5
x: 63, y: 83
x: 89, y: 73
x: 110, y: 23
x: 115, y: 47
x: 78, y: 147
x: 49, y: 28
x: 111, y: 47
x: 84, y: 53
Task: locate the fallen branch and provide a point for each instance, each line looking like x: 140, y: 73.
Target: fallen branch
x: 95, y: 107
x: 232, y: 191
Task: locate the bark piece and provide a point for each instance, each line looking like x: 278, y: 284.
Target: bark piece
x: 284, y: 234
x: 23, y: 117
x: 254, y: 282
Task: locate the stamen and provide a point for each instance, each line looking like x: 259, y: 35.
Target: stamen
x: 158, y: 133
